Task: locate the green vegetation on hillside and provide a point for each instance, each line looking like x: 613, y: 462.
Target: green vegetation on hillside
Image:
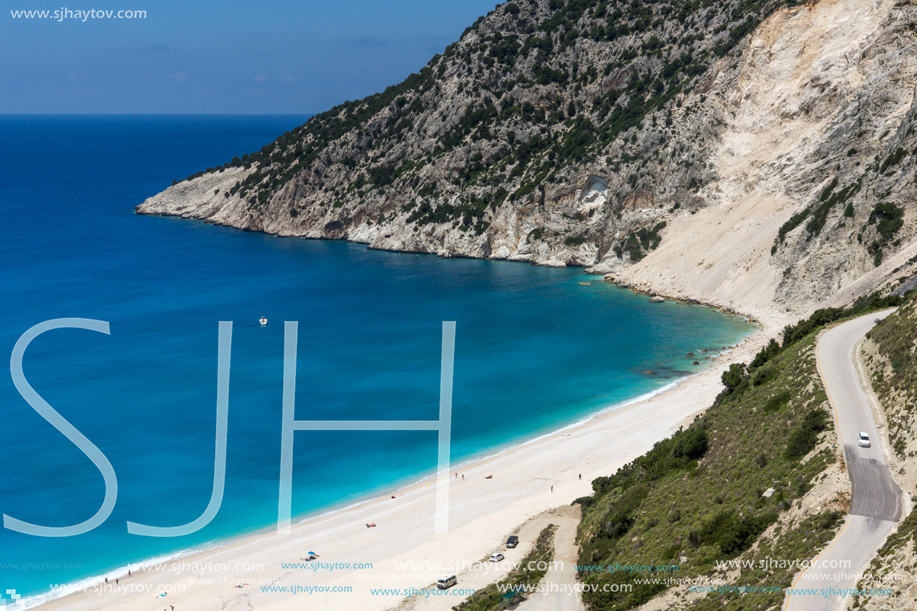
x: 697, y: 497
x: 543, y: 85
x: 641, y: 242
x: 818, y: 214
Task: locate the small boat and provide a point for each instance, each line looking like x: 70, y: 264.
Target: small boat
x: 263, y: 321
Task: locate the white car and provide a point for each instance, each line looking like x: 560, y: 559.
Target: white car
x: 863, y: 440
x: 496, y: 557
x: 446, y: 582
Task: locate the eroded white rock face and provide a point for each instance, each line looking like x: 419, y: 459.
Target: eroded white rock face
x: 594, y: 196
x: 202, y: 197
x: 818, y: 87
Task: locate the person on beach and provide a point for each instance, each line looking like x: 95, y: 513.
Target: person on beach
x: 581, y: 476
x: 552, y: 488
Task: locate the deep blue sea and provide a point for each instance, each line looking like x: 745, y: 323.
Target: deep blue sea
x: 535, y: 349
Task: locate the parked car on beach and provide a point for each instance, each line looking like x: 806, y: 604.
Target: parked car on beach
x: 513, y: 541
x: 496, y: 557
x: 446, y: 582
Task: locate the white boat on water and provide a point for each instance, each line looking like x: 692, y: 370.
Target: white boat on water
x: 263, y: 321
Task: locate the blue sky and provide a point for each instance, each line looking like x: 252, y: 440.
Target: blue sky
x: 274, y: 56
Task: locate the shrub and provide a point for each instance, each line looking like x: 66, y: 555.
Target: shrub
x: 692, y: 444
x: 741, y: 536
x: 828, y: 200
x: 770, y: 351
x: 819, y: 318
x: 890, y: 219
x: 805, y: 436
x: 777, y: 401
x: 794, y: 222
x: 734, y: 535
x: 733, y: 376
x: 574, y: 240
x: 894, y: 159
x: 764, y: 376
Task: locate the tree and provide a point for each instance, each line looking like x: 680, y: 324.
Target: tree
x: 692, y: 444
x: 734, y: 376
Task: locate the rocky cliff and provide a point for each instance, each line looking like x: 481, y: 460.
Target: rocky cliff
x: 755, y: 154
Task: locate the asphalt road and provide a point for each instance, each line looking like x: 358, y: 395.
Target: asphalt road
x: 875, y: 496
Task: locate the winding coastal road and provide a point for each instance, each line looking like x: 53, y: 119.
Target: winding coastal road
x: 875, y: 496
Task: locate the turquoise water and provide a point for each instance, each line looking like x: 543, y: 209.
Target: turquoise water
x: 535, y: 349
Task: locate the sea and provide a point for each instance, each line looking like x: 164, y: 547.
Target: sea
x: 536, y: 349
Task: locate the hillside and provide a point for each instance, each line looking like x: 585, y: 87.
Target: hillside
x: 758, y: 476
x: 755, y: 154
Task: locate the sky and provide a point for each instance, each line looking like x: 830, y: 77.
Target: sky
x: 217, y: 57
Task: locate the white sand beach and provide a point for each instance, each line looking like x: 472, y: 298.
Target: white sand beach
x: 483, y: 512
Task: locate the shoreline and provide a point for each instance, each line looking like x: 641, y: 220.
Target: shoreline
x: 45, y: 599
x: 139, y: 567
x: 767, y: 318
x: 652, y: 416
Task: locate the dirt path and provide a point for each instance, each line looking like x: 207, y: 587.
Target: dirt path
x: 557, y: 582
x: 559, y: 587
